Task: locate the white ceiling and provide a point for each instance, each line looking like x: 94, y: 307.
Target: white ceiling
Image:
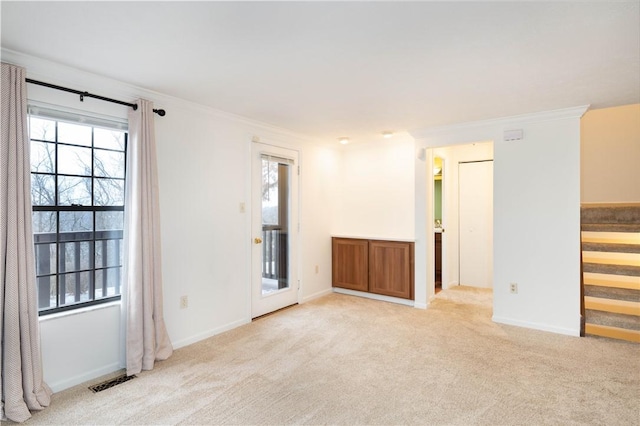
x: 328, y: 69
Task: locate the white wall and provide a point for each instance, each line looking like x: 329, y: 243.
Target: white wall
x: 610, y: 155
x: 534, y: 245
x: 204, y: 172
x: 377, y: 189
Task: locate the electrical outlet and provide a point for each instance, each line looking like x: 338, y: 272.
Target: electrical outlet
x: 513, y: 288
x: 184, y: 302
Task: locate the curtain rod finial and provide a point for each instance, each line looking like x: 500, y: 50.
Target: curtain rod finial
x: 160, y: 112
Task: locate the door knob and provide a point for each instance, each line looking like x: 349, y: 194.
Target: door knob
x: 257, y: 240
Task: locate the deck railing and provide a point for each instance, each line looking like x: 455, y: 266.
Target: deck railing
x: 274, y: 254
x: 76, y: 281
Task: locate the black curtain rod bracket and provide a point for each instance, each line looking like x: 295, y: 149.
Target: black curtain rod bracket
x: 82, y: 95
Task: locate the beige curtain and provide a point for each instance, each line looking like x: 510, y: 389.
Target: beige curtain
x: 147, y: 339
x: 22, y: 388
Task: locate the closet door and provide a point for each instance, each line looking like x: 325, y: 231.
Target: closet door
x: 476, y: 223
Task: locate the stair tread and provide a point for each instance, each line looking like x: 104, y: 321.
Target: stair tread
x: 612, y: 305
x: 611, y: 258
x: 611, y: 237
x: 612, y: 332
x: 611, y: 280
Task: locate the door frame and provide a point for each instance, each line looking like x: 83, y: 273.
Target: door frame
x: 283, y: 151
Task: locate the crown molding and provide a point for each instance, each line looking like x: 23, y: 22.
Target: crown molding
x: 505, y: 122
x: 64, y: 75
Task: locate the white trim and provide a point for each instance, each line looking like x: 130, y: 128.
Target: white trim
x: 374, y: 296
x: 316, y: 295
x: 78, y: 311
x: 210, y: 333
x: 558, y: 114
x: 538, y: 326
x: 85, y: 377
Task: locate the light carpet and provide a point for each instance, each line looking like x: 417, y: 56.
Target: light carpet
x: 348, y: 360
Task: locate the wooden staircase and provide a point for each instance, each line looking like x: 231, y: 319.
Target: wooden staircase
x: 611, y: 270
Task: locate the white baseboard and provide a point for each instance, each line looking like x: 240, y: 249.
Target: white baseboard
x: 210, y: 333
x: 538, y: 326
x: 85, y: 377
x: 316, y: 295
x: 418, y: 305
x: 373, y: 296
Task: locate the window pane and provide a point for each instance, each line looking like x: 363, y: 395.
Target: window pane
x: 108, y: 253
x: 74, y: 160
x: 108, y: 164
x: 74, y: 287
x: 43, y: 190
x: 109, y: 192
x: 74, y: 134
x: 44, y: 222
x: 75, y: 256
x: 47, y: 292
x: 110, y: 139
x: 74, y: 190
x: 42, y: 129
x: 108, y: 221
x: 76, y: 221
x: 43, y: 157
x: 45, y: 259
x: 108, y: 282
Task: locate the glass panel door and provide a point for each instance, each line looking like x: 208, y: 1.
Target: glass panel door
x: 274, y: 276
x: 275, y: 224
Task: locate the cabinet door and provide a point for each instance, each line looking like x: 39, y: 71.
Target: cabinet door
x: 391, y: 271
x: 350, y: 263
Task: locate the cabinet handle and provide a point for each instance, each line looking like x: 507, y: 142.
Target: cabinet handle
x: 257, y: 240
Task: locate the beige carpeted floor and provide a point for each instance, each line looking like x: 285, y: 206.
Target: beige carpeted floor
x: 348, y: 360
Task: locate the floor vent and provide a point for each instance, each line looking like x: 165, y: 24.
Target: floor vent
x: 111, y: 383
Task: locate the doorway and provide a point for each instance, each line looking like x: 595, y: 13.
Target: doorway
x: 455, y: 184
x: 274, y: 226
x: 438, y: 227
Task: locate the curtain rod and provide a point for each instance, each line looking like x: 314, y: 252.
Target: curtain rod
x: 160, y: 112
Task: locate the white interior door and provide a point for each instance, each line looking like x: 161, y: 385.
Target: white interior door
x: 476, y: 223
x: 274, y: 226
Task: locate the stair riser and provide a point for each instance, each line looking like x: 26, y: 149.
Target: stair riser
x: 612, y: 293
x: 621, y: 214
x: 629, y: 322
x: 632, y: 271
x: 610, y: 248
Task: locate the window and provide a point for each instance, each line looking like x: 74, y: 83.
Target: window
x: 77, y: 192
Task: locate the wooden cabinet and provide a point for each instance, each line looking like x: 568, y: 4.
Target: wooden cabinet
x: 350, y: 264
x: 375, y: 266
